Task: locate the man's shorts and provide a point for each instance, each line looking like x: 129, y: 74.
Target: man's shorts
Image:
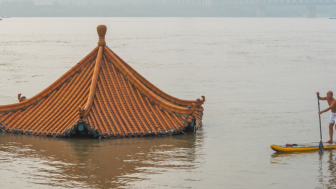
x: 332, y: 117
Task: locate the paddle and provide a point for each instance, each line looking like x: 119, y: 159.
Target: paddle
x: 321, y: 144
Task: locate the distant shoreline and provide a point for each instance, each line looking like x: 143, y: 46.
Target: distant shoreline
x: 30, y: 9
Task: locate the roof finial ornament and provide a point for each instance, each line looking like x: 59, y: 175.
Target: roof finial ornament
x: 101, y: 29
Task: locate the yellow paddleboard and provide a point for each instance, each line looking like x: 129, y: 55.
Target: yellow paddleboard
x: 302, y: 147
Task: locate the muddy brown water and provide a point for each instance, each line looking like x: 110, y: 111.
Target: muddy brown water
x: 259, y: 76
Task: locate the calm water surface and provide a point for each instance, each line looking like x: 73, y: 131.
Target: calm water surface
x: 259, y: 77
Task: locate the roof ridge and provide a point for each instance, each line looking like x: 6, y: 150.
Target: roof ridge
x: 94, y: 81
x: 149, y: 93
x: 155, y: 89
x: 50, y: 88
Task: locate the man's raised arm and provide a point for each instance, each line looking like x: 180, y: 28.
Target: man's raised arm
x: 321, y: 98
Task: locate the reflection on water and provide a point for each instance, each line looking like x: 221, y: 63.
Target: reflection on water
x: 87, y: 163
x: 328, y: 180
x: 325, y: 165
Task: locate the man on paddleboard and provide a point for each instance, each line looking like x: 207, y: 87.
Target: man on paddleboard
x: 332, y: 107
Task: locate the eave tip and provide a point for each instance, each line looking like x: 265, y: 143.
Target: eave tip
x: 101, y: 29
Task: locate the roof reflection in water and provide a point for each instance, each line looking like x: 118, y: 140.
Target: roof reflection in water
x: 76, y: 162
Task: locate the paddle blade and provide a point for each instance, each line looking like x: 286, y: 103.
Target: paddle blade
x: 321, y: 147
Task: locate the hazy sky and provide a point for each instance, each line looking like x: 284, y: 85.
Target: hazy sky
x: 148, y: 8
x: 109, y: 2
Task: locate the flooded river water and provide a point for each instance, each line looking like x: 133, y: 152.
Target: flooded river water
x: 259, y: 76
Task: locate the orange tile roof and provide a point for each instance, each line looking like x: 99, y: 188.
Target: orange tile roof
x: 107, y: 97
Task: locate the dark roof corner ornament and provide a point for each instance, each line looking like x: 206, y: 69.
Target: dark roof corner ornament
x: 101, y: 29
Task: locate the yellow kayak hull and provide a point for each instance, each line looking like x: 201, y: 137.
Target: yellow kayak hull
x: 302, y: 147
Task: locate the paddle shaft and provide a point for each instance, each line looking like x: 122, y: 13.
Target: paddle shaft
x: 318, y: 101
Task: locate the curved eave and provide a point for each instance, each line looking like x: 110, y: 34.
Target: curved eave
x: 57, y: 112
x: 147, y: 92
x: 157, y: 90
x: 51, y: 88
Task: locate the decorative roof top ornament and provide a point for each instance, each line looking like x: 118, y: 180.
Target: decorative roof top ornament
x: 101, y: 29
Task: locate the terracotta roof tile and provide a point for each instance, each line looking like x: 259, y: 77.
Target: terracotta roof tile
x: 106, y: 96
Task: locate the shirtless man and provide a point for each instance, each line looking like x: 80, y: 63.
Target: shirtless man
x: 332, y: 107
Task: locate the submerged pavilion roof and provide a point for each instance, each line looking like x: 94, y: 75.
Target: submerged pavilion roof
x: 105, y: 96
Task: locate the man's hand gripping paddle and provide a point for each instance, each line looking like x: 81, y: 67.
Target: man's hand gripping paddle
x: 321, y: 144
